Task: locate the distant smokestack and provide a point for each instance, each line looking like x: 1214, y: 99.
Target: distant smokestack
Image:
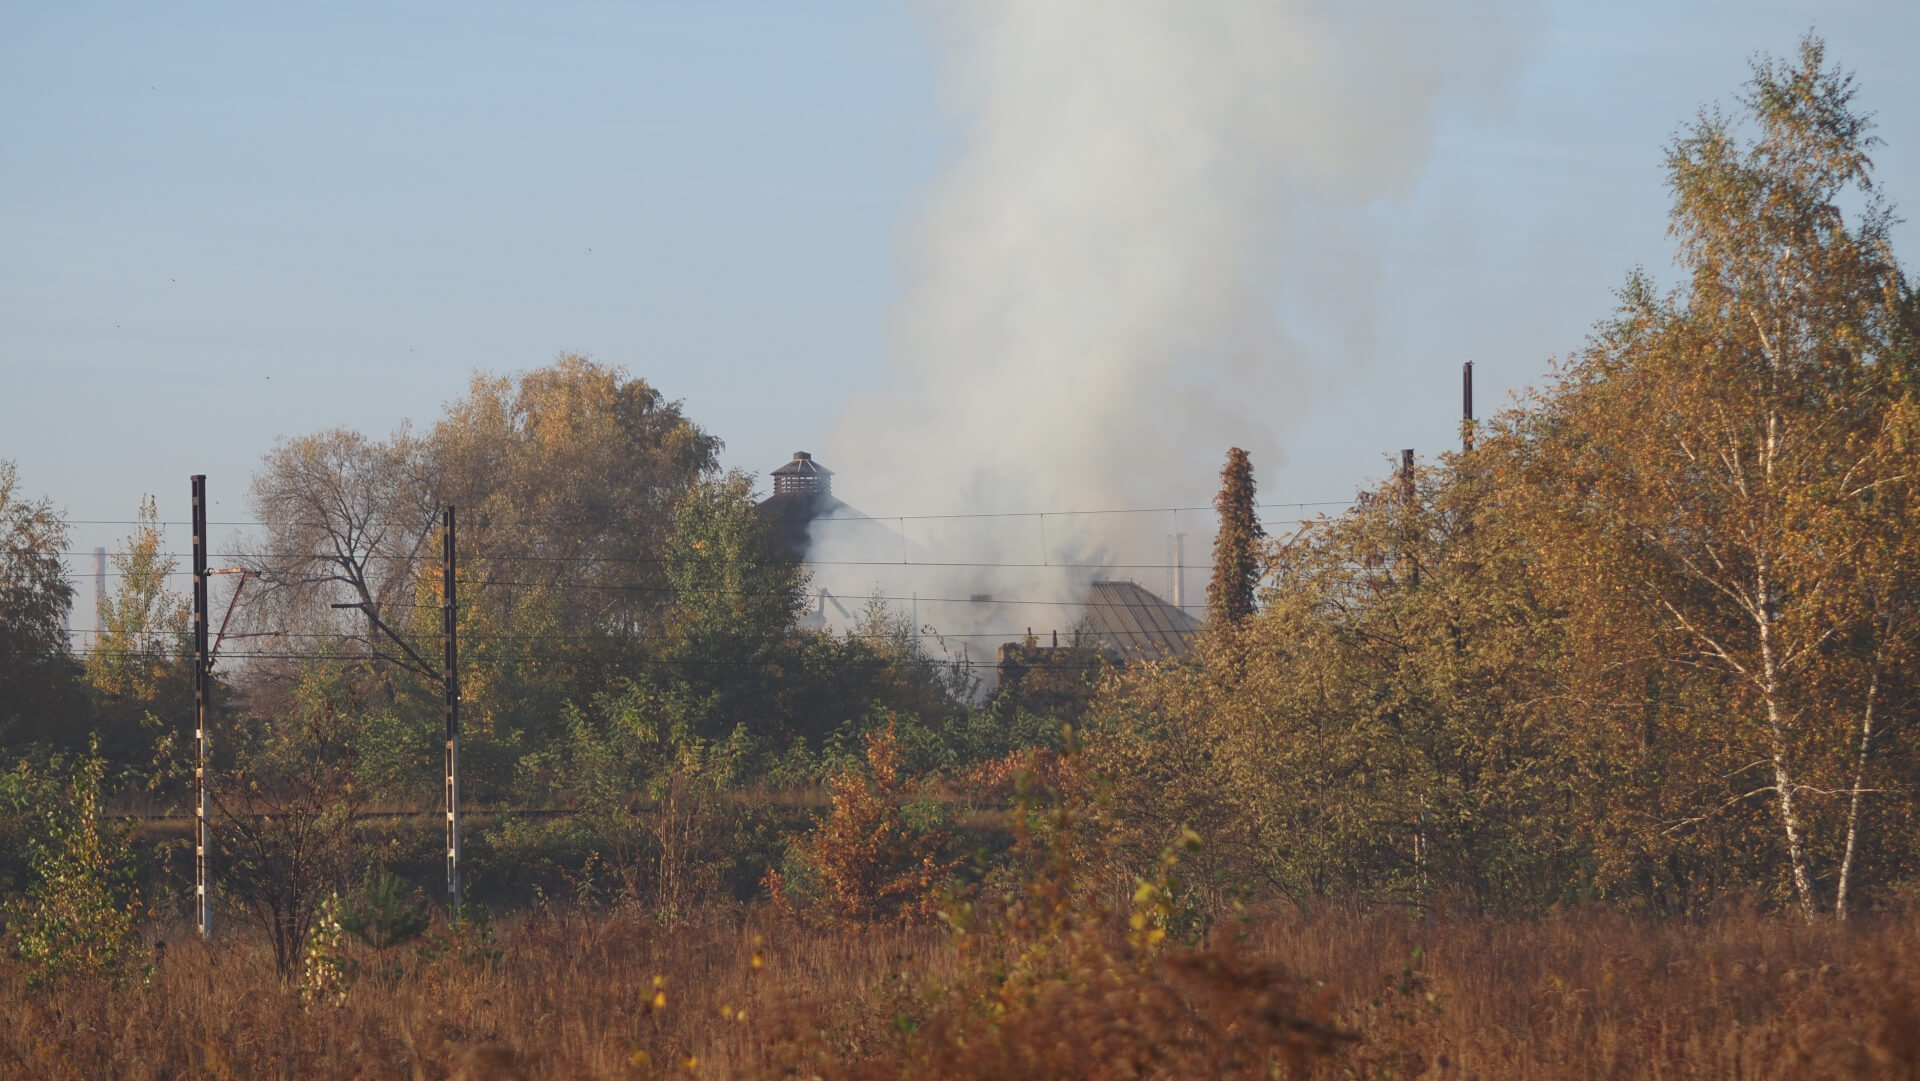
x: 99, y: 592
x: 1466, y: 406
x: 1179, y: 570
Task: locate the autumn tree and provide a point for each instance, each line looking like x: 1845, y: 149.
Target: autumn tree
x: 144, y: 622
x: 347, y: 521
x: 564, y: 478
x: 1739, y: 453
x: 1236, y: 560
x: 567, y: 474
x: 1666, y: 615
x: 571, y: 474
x: 1360, y: 740
x: 36, y: 677
x: 140, y: 665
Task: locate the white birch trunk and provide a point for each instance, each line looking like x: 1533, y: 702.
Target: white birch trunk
x: 1853, y: 806
x: 1783, y: 780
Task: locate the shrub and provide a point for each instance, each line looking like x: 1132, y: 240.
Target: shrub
x: 1062, y: 976
x: 386, y: 913
x: 79, y: 913
x: 876, y: 856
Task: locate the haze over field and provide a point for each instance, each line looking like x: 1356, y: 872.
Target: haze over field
x: 225, y: 226
x: 520, y: 702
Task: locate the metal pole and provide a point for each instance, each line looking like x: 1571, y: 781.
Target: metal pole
x: 202, y: 672
x: 1180, y: 571
x: 1466, y: 406
x: 450, y: 675
x: 99, y: 594
x: 1408, y: 494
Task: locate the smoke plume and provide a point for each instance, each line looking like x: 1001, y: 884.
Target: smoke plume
x: 1151, y: 232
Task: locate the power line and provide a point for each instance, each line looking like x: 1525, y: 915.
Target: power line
x: 609, y: 638
x: 657, y: 560
x: 665, y: 662
x: 871, y: 517
x: 329, y: 558
x: 809, y: 598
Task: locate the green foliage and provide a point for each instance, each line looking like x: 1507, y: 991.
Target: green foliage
x: 286, y: 805
x: 79, y: 915
x: 468, y: 938
x: 565, y: 479
x: 721, y: 563
x: 386, y: 912
x: 644, y: 788
x: 140, y: 665
x: 143, y: 623
x: 38, y: 688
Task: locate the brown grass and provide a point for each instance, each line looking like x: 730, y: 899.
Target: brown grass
x: 1589, y: 994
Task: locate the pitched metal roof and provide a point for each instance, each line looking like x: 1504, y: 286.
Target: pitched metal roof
x: 1139, y: 624
x: 791, y: 516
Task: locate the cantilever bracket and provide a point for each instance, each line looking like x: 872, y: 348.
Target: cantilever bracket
x: 231, y: 602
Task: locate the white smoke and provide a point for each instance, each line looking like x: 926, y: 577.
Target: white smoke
x: 1142, y: 188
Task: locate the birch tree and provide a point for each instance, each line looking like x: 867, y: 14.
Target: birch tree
x: 141, y: 663
x: 144, y: 624
x: 1740, y: 449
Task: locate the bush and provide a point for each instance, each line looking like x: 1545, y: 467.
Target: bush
x: 872, y: 858
x: 78, y: 916
x: 387, y: 913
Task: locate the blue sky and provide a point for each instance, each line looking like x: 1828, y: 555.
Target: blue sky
x: 220, y: 224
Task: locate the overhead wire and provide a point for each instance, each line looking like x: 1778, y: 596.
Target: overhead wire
x: 873, y: 517
x: 675, y: 591
x: 80, y: 575
x: 663, y: 662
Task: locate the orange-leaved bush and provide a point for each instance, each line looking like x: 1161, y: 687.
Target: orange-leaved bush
x: 869, y: 859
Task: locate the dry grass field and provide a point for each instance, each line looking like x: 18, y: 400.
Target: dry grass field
x: 1577, y: 995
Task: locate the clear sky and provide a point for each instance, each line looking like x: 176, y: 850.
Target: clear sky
x: 220, y: 224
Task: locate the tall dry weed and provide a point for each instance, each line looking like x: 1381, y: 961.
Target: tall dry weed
x: 1582, y: 994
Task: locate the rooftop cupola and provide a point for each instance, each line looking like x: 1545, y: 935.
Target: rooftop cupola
x: 802, y: 476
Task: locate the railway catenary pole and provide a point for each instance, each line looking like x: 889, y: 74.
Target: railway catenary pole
x: 450, y: 680
x: 202, y: 678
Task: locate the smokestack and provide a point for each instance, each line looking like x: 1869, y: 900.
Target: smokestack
x: 1466, y: 406
x: 1409, y: 495
x: 1179, y: 570
x: 99, y: 592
